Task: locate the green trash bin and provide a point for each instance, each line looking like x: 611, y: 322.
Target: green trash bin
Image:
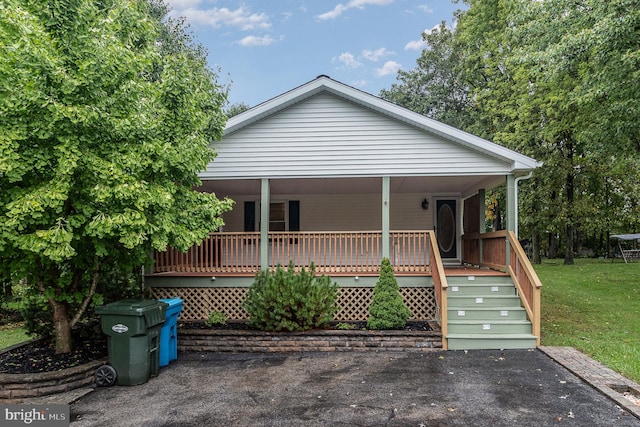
x: 133, y: 337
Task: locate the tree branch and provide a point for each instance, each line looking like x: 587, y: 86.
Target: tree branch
x: 92, y: 291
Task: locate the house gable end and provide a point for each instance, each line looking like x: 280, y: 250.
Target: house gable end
x: 327, y: 129
x: 329, y: 134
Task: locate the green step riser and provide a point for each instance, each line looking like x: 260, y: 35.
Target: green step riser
x: 490, y: 344
x: 495, y: 329
x: 481, y: 291
x: 491, y: 301
x: 480, y: 280
x: 487, y: 315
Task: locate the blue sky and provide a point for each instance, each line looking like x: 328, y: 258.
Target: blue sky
x: 263, y: 48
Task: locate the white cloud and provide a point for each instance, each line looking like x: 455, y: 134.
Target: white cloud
x: 348, y: 59
x: 376, y: 55
x: 256, y: 41
x: 337, y: 11
x: 389, y: 67
x: 359, y: 83
x: 420, y: 44
x: 358, y: 4
x: 415, y: 45
x: 182, y: 4
x: 425, y: 8
x: 219, y: 17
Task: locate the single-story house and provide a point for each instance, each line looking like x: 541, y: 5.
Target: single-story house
x: 329, y: 174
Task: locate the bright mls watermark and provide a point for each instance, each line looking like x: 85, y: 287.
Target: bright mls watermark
x: 34, y: 415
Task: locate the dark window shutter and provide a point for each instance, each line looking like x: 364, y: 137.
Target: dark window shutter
x: 249, y: 216
x: 294, y: 215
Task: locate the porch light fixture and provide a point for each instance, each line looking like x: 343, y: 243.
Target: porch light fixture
x: 425, y: 204
x: 213, y: 279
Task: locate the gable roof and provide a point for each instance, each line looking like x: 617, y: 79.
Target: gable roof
x: 518, y: 163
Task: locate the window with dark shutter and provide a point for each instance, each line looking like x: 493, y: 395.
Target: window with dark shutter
x: 249, y: 216
x: 294, y: 215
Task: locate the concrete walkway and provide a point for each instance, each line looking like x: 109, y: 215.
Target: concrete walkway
x: 620, y: 389
x: 455, y: 388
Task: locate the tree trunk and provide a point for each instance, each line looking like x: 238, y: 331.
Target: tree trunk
x: 497, y: 220
x: 7, y: 290
x: 552, y: 246
x: 579, y: 241
x: 568, y: 255
x: 570, y: 228
x: 535, y: 243
x: 62, y: 326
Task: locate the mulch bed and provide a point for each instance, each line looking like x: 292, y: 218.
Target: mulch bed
x: 39, y: 356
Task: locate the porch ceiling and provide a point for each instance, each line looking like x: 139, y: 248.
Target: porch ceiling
x: 462, y: 185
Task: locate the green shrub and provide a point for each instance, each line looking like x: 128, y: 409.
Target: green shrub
x: 387, y: 310
x: 344, y: 326
x: 288, y: 301
x: 216, y: 318
x: 38, y: 320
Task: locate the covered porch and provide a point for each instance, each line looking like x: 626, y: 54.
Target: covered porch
x: 419, y: 223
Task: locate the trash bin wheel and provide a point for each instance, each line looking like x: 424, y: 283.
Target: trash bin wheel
x: 106, y: 375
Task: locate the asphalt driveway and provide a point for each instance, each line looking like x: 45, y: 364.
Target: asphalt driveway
x: 475, y: 388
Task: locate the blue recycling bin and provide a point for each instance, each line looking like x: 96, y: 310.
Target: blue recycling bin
x: 169, y: 331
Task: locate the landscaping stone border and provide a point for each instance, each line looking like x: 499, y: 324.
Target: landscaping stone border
x: 23, y: 388
x: 244, y: 341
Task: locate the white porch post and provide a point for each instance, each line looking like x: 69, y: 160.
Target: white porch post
x: 386, y: 191
x: 264, y: 223
x: 512, y: 202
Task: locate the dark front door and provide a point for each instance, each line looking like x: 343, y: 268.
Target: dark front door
x: 446, y: 231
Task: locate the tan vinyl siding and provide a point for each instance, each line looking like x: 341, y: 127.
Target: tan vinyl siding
x: 344, y: 212
x: 328, y: 136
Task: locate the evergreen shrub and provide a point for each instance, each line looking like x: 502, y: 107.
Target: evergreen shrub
x: 288, y: 301
x: 387, y: 310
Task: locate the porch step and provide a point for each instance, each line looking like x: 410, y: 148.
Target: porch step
x: 481, y: 285
x: 489, y: 327
x: 490, y: 341
x: 479, y: 280
x: 478, y: 300
x: 485, y: 312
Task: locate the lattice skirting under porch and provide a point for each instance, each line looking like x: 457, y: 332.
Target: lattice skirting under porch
x: 353, y: 302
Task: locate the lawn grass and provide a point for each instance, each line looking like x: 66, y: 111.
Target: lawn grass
x: 12, y: 334
x: 594, y: 306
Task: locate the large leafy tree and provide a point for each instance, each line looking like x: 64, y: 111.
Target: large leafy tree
x: 577, y: 96
x: 555, y: 79
x: 106, y: 116
x: 435, y: 88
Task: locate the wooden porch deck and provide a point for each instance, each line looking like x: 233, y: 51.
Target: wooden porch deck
x: 450, y: 270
